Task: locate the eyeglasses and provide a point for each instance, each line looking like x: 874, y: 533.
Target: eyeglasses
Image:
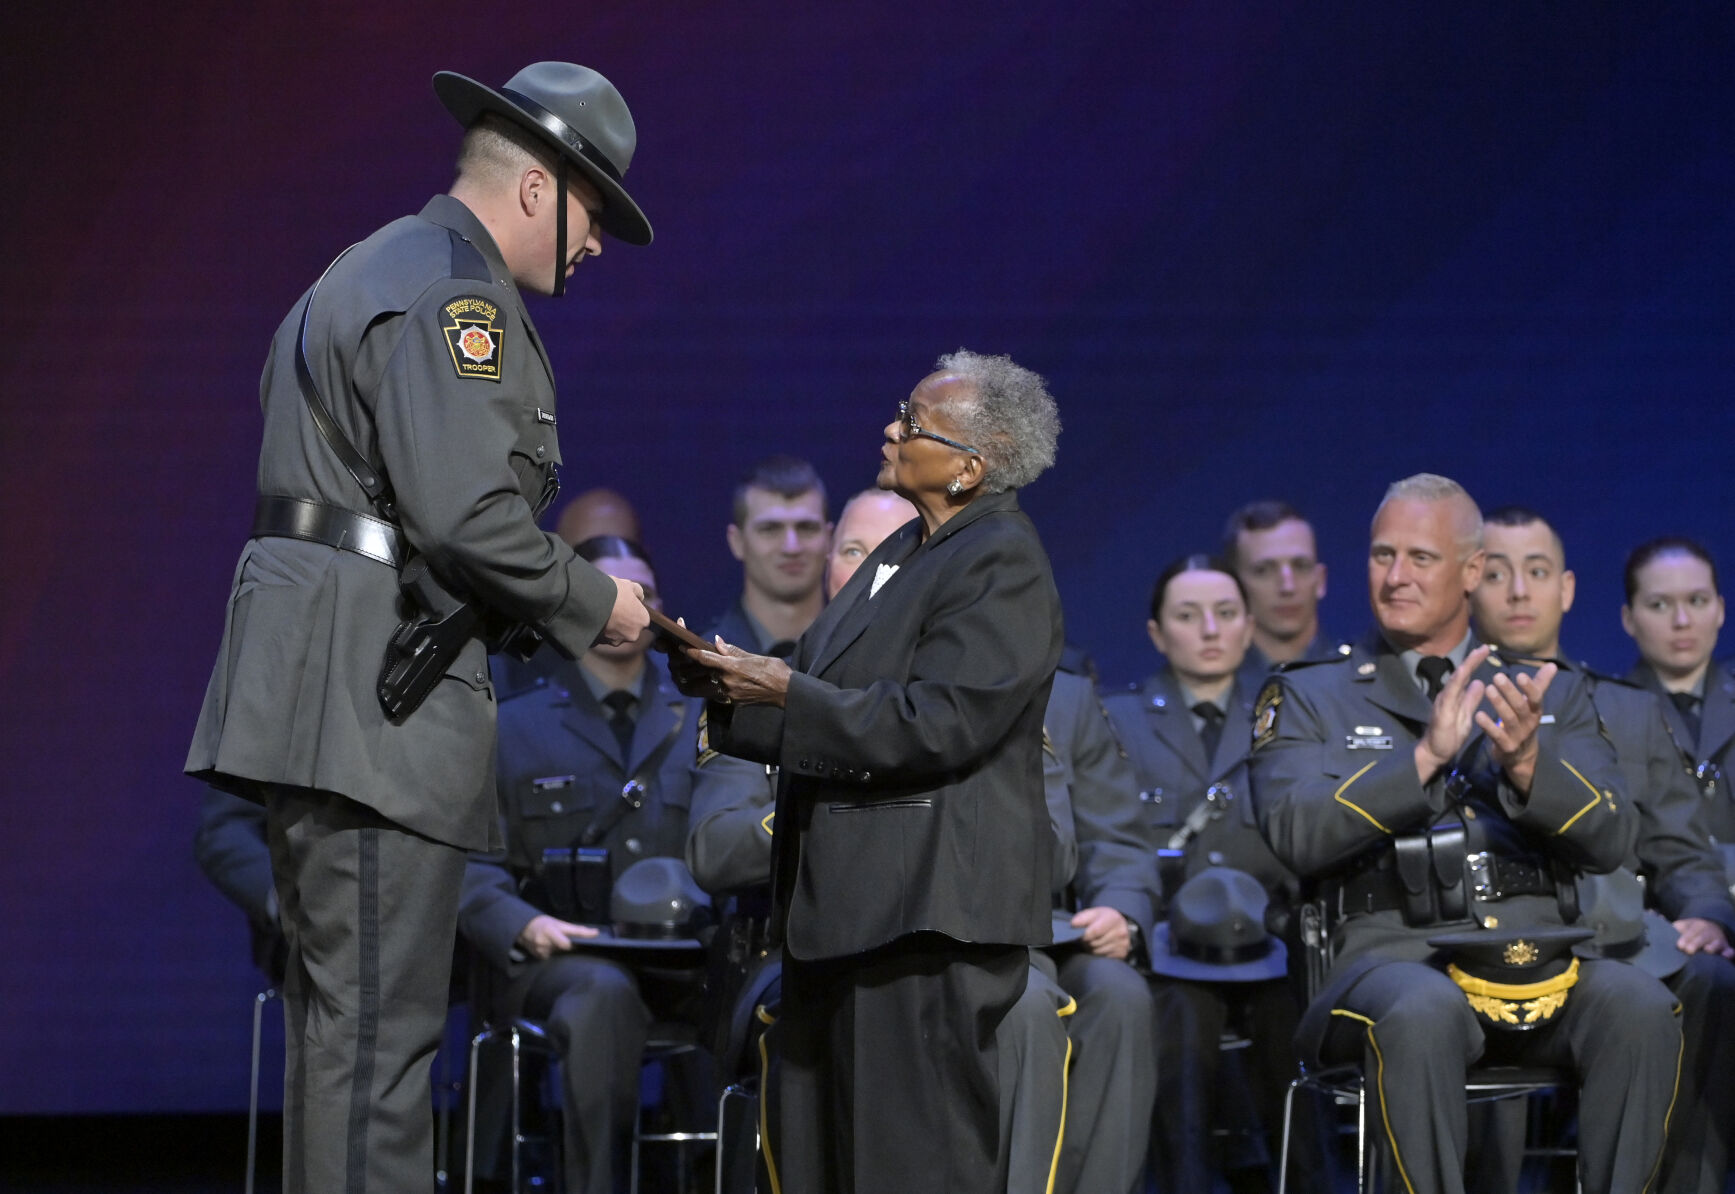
x: 909, y: 429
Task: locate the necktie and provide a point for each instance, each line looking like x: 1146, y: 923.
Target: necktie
x: 1433, y: 670
x: 620, y: 719
x: 781, y: 649
x: 1211, y: 732
x: 1688, y: 704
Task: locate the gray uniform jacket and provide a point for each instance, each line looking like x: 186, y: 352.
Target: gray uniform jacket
x: 1094, y: 808
x: 560, y: 770
x: 1683, y: 875
x: 423, y: 353
x: 1174, y: 777
x: 909, y: 749
x: 1334, y: 780
x: 1712, y: 751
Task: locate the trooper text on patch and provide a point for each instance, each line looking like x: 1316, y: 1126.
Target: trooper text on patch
x: 477, y: 345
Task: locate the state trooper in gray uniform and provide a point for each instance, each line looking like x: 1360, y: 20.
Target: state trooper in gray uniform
x: 1475, y: 809
x: 1523, y: 599
x: 409, y: 429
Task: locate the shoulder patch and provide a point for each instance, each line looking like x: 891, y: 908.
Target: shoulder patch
x: 1265, y: 713
x: 477, y: 344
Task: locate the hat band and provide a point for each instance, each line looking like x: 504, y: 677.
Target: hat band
x: 1219, y: 955
x: 563, y: 132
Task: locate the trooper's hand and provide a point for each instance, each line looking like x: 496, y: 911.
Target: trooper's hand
x: 629, y: 617
x: 1454, y: 714
x: 1105, y: 932
x: 1699, y: 935
x: 1516, y: 701
x: 546, y: 936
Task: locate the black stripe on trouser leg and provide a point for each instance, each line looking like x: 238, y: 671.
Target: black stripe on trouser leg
x: 368, y: 1008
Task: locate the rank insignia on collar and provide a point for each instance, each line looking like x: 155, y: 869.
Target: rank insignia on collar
x: 475, y: 342
x: 1265, y: 714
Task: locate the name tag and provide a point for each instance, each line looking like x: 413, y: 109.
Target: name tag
x: 1368, y: 741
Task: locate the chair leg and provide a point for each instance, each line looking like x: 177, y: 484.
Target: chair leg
x: 1283, y: 1149
x: 259, y: 1002
x: 470, y: 1116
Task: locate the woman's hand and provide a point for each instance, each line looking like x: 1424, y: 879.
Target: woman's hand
x: 732, y: 676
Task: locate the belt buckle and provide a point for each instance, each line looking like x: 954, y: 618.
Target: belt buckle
x: 1480, y: 868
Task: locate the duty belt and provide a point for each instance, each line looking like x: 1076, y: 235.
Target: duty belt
x: 316, y: 522
x: 1491, y: 878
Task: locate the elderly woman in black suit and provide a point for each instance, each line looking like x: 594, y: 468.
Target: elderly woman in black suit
x: 912, y: 845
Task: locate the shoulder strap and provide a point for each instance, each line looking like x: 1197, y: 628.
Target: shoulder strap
x: 378, y: 492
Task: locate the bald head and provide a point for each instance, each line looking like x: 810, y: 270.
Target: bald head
x: 1424, y: 561
x: 1462, y: 513
x: 598, y: 512
x: 867, y: 519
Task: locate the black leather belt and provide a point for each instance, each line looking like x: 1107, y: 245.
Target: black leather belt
x: 316, y: 522
x: 1492, y: 878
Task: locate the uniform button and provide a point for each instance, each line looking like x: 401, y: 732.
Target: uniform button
x: 541, y: 451
x: 557, y: 807
x: 481, y: 677
x: 866, y: 776
x: 804, y: 764
x: 634, y: 846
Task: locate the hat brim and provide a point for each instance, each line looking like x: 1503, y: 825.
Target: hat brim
x: 1541, y: 935
x: 1274, y: 964
x: 1063, y: 930
x: 467, y: 100
x: 608, y: 938
x: 1659, y: 957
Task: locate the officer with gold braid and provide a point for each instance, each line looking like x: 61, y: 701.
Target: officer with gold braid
x: 1433, y: 792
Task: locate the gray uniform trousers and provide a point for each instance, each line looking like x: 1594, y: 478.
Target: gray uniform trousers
x: 1418, y: 1036
x: 370, y: 913
x: 1113, y: 1082
x: 1033, y: 1054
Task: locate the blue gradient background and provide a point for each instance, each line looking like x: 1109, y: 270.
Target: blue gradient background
x: 1260, y: 250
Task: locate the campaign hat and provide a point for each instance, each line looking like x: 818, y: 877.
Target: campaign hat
x: 1215, y: 931
x: 655, y: 905
x: 576, y: 112
x: 1613, y: 907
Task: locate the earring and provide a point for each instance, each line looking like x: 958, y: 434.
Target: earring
x: 955, y: 488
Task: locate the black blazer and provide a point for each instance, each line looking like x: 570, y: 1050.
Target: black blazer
x: 910, y: 791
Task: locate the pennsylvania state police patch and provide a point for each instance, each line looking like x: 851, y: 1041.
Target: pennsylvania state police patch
x: 475, y: 342
x: 1265, y: 714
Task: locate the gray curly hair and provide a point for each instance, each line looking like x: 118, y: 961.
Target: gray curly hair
x: 1011, y: 419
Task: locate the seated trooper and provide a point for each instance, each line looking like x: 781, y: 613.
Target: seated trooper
x: 1429, y: 788
x: 230, y: 848
x: 1079, y: 1041
x: 1525, y: 594
x: 1186, y: 731
x: 598, y: 757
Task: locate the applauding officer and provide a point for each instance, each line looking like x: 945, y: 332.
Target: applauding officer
x: 409, y: 439
x: 1524, y: 596
x: 1425, y: 789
